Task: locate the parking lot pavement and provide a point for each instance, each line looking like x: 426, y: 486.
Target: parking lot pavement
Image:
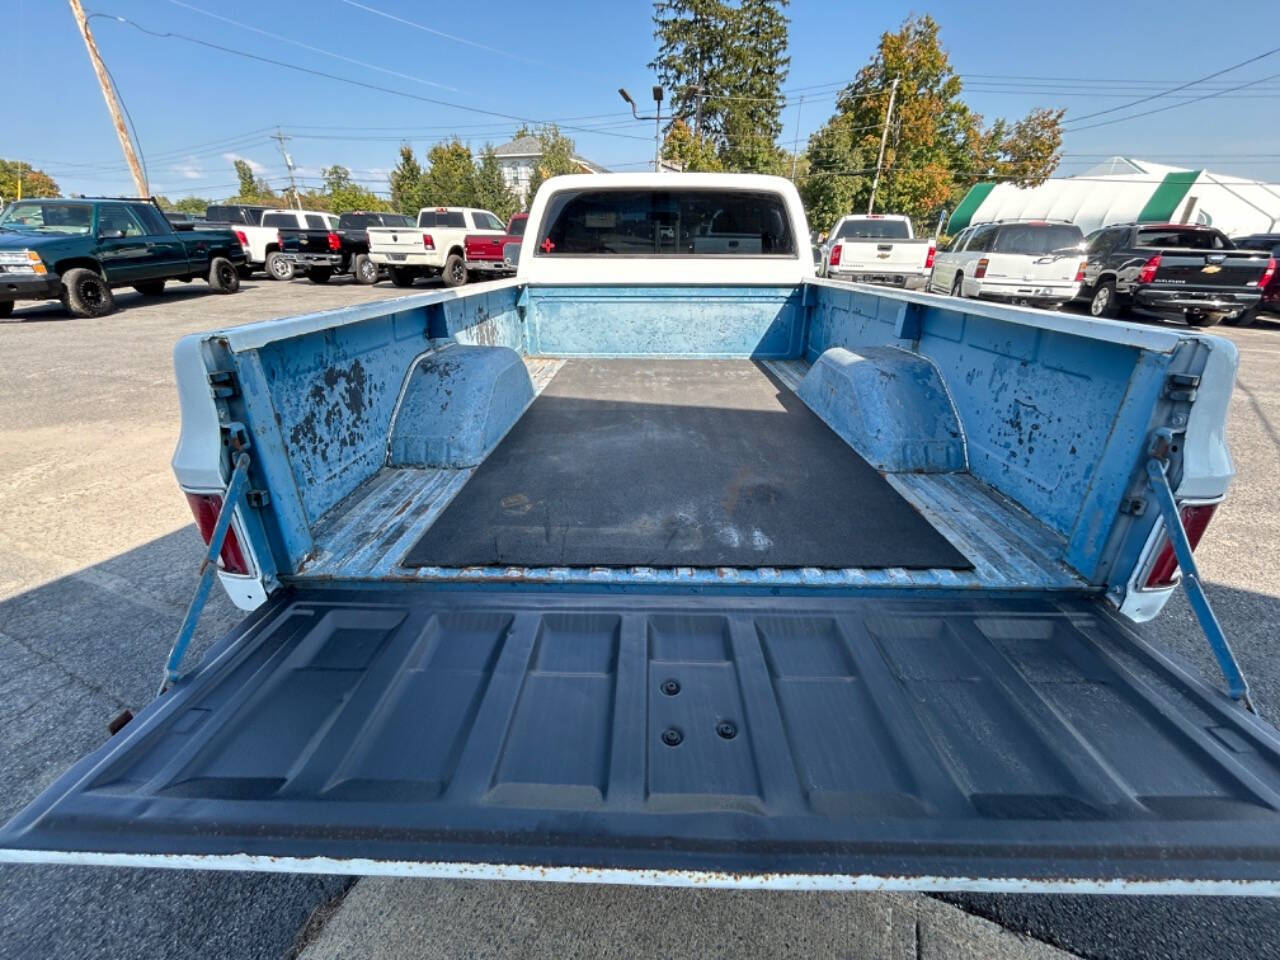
x: 98, y: 560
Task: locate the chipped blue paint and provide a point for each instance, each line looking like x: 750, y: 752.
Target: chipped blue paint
x: 889, y: 405
x: 456, y: 404
x: 666, y: 321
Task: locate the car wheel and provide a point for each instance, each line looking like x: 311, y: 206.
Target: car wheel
x: 319, y: 274
x: 6, y: 308
x: 223, y: 277
x: 957, y: 285
x: 365, y: 270
x: 86, y: 294
x: 1246, y: 319
x: 403, y: 277
x: 278, y: 267
x: 455, y: 271
x: 150, y: 288
x: 1103, y: 303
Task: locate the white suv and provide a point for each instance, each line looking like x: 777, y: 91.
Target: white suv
x: 1027, y: 261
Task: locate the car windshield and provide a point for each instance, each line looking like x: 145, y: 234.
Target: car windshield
x: 1038, y: 239
x: 676, y: 223
x: 48, y: 216
x: 873, y: 230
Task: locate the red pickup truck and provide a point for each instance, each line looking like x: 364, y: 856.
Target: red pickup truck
x: 484, y: 252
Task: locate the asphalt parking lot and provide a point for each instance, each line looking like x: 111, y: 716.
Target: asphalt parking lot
x: 98, y: 559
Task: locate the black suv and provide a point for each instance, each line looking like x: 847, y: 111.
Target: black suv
x: 1172, y: 269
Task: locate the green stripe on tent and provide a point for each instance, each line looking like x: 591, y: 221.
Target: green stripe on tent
x: 968, y: 207
x: 1168, y: 196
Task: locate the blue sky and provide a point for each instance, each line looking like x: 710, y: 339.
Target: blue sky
x: 195, y: 108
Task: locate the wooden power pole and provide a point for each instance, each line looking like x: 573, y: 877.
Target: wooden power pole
x: 109, y: 95
x: 884, y: 137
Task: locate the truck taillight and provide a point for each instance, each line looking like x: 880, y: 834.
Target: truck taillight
x: 928, y: 260
x: 834, y: 259
x: 1164, y: 571
x: 1080, y: 272
x: 205, y: 507
x: 335, y: 242
x: 427, y: 242
x: 980, y: 270
x: 1268, y: 273
x: 1148, y: 271
x: 244, y: 241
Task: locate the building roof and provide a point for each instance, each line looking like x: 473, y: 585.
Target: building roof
x: 527, y: 146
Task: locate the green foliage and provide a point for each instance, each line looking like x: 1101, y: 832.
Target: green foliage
x: 686, y: 152
x: 406, y: 183
x: 492, y: 191
x: 35, y: 183
x: 252, y: 189
x: 937, y: 146
x: 694, y: 38
x: 188, y: 205
x: 450, y: 180
x: 556, y: 159
x: 343, y: 195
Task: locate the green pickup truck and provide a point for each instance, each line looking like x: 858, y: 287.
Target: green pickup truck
x: 78, y: 250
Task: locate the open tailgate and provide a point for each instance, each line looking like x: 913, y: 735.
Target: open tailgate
x: 837, y: 742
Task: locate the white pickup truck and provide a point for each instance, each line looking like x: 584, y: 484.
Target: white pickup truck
x: 435, y: 247
x: 667, y: 564
x: 258, y: 229
x: 879, y: 248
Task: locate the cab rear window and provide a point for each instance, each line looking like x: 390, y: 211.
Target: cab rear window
x: 1183, y: 239
x: 672, y: 223
x: 873, y: 230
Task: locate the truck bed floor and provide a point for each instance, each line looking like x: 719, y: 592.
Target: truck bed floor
x: 704, y: 463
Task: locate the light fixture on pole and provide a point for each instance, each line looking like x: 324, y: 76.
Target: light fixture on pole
x: 657, y: 121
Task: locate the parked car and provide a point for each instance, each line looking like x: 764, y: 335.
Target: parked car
x: 485, y: 252
x: 434, y: 247
x: 80, y: 250
x: 879, y: 248
x: 1039, y: 262
x: 741, y: 588
x: 265, y: 246
x: 340, y: 248
x: 1270, y: 302
x: 1174, y: 270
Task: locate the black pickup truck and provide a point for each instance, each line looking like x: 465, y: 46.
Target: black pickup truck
x: 322, y: 253
x: 1171, y: 269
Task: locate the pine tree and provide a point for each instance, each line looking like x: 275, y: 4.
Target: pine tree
x: 406, y: 183
x: 694, y: 37
x: 450, y: 180
x: 756, y: 67
x: 492, y: 191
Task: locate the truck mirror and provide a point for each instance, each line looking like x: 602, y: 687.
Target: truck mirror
x: 511, y: 254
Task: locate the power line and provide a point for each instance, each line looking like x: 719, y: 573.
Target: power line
x: 1172, y: 106
x: 1165, y: 93
x: 167, y: 35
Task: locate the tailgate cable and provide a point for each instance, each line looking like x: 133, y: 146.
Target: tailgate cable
x: 1158, y: 478
x: 235, y: 493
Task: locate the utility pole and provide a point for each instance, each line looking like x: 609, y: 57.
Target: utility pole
x: 884, y: 136
x: 109, y: 95
x: 280, y: 138
x: 795, y: 147
x: 657, y: 131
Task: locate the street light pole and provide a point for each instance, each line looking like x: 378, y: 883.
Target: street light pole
x: 657, y: 121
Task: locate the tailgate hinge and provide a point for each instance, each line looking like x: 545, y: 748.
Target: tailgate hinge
x: 1158, y: 479
x: 1181, y: 387
x: 234, y: 495
x: 224, y: 384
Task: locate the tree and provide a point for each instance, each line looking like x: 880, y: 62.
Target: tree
x: 756, y: 67
x: 556, y: 159
x: 694, y: 37
x: 690, y: 153
x: 253, y: 189
x: 492, y: 191
x: 936, y: 144
x: 344, y: 195
x: 35, y: 183
x: 406, y: 183
x: 189, y: 205
x: 450, y: 180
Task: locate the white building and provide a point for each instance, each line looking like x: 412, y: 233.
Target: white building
x: 519, y: 157
x: 1124, y: 190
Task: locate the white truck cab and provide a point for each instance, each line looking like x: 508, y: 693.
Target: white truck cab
x: 879, y: 248
x: 434, y: 247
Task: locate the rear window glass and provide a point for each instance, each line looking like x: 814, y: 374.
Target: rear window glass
x: 441, y: 218
x: 316, y: 222
x: 873, y: 230
x: 1183, y: 239
x: 280, y: 220
x: 246, y: 216
x: 677, y: 223
x: 516, y: 227
x: 1037, y: 239
x: 487, y: 221
x: 361, y: 221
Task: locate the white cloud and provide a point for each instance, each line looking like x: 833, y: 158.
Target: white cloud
x: 256, y: 167
x: 190, y: 169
